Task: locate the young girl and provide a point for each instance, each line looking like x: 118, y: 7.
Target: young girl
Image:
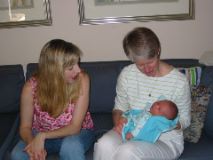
x: 54, y: 107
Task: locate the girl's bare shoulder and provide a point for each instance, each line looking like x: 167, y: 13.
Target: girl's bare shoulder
x: 84, y: 76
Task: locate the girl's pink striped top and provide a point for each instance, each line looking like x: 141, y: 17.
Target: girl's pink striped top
x: 42, y: 121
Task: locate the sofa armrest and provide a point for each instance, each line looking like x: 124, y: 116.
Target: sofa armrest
x: 11, y: 82
x: 208, y: 125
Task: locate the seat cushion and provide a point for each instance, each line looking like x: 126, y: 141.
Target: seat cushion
x: 199, y: 151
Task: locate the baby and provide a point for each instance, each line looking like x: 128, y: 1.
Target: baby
x: 148, y: 125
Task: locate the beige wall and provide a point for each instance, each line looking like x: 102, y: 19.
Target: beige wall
x: 180, y: 39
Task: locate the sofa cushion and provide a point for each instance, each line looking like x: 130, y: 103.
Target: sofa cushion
x: 31, y: 68
x: 103, y: 123
x: 202, y: 150
x: 207, y: 79
x: 103, y: 79
x: 6, y: 121
x: 200, y: 98
x: 11, y: 82
x: 209, y: 119
x: 207, y: 76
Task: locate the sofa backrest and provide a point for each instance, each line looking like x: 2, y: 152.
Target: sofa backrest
x: 207, y: 79
x: 11, y: 83
x: 103, y: 78
x: 31, y: 68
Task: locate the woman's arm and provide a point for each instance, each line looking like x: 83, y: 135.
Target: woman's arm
x: 118, y: 120
x: 116, y: 115
x: 121, y: 102
x: 79, y: 113
x: 183, y: 102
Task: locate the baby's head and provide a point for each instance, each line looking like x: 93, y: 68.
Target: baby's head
x: 165, y: 108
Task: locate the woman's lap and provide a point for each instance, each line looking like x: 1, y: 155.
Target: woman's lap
x: 111, y: 145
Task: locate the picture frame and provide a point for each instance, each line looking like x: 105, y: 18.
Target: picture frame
x: 23, y: 13
x: 123, y: 11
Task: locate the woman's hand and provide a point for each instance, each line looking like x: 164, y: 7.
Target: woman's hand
x: 178, y: 126
x: 35, y: 149
x: 119, y: 125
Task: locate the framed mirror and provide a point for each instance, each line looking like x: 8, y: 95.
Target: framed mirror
x: 122, y: 11
x: 22, y: 13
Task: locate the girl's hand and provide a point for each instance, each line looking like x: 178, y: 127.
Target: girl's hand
x: 35, y: 148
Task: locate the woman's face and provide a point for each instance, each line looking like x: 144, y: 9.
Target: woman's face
x: 149, y: 67
x: 71, y: 73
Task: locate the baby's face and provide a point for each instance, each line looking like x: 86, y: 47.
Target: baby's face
x: 160, y: 108
x: 155, y: 109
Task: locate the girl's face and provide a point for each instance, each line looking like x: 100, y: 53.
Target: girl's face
x: 71, y: 73
x: 149, y: 67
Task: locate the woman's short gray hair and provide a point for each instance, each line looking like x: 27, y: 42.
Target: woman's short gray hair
x: 141, y: 42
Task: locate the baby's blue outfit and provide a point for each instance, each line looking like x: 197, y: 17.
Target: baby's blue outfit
x: 145, y: 126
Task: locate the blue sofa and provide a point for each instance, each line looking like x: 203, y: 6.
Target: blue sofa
x: 103, y: 77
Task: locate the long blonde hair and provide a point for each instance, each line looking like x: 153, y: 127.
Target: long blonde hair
x: 53, y: 92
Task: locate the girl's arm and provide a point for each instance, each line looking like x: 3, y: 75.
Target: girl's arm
x: 26, y: 113
x: 35, y: 151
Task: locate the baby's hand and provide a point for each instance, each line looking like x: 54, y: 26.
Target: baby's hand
x: 129, y: 136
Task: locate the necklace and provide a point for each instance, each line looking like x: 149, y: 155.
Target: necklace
x: 152, y: 87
